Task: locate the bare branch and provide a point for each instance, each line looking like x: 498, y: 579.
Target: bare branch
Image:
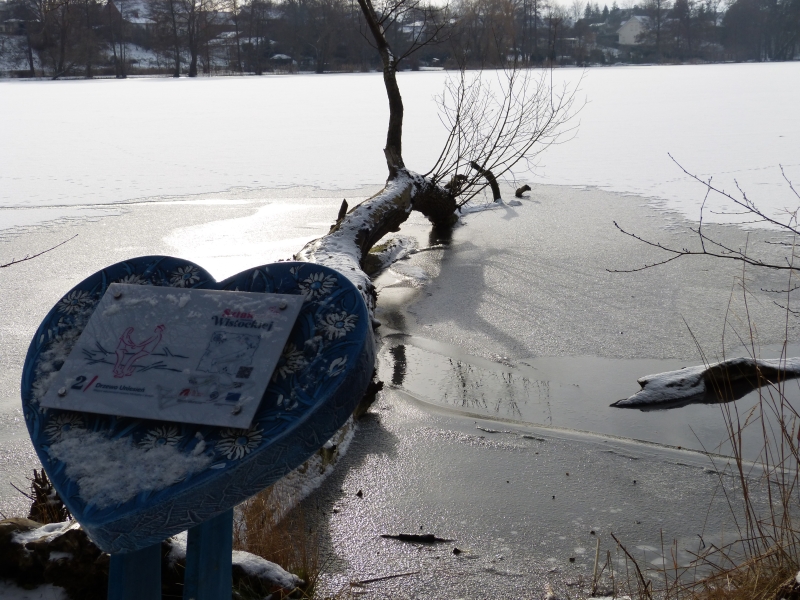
x: 715, y: 248
x: 32, y: 256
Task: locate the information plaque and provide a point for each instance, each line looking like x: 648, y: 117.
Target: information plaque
x: 187, y: 355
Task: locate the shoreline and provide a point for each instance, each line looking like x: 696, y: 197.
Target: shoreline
x: 234, y: 74
x: 427, y: 465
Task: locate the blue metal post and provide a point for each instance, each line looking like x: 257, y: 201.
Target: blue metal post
x: 135, y: 575
x: 208, y: 560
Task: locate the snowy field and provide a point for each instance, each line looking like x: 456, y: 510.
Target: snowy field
x: 71, y: 144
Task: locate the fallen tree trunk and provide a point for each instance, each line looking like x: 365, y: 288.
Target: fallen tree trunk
x: 724, y: 381
x: 351, y: 237
x: 346, y: 246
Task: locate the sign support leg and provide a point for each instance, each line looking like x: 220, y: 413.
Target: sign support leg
x: 135, y: 575
x: 208, y: 559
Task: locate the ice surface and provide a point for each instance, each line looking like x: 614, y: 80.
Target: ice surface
x: 502, y: 493
x: 730, y: 121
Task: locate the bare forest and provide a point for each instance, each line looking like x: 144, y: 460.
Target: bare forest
x: 88, y: 38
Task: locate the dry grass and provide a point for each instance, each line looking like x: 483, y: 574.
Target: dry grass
x: 272, y: 524
x: 763, y: 496
x: 46, y: 505
x: 264, y: 528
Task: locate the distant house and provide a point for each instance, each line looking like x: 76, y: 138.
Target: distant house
x: 413, y: 29
x: 631, y: 29
x: 134, y: 13
x: 13, y: 27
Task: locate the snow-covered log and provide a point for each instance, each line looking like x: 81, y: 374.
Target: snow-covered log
x: 352, y: 236
x: 346, y: 246
x: 718, y: 382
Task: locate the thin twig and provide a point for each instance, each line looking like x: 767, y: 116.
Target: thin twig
x: 363, y: 582
x: 32, y: 256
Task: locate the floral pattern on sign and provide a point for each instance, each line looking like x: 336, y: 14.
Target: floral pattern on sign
x: 317, y: 285
x: 62, y: 423
x: 336, y: 325
x: 291, y: 361
x: 75, y: 302
x: 286, y: 403
x: 133, y: 279
x: 163, y: 435
x: 337, y: 366
x: 184, y: 277
x: 238, y: 443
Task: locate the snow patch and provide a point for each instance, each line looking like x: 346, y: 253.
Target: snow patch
x: 110, y: 472
x: 254, y: 566
x: 259, y: 568
x: 179, y: 301
x: 10, y: 591
x: 45, y: 532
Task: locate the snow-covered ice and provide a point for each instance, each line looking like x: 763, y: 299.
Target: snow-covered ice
x: 164, y: 137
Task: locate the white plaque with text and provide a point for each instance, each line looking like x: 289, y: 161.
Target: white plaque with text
x: 187, y: 355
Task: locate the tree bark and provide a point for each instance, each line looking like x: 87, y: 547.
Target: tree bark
x: 394, y: 136
x: 176, y: 39
x: 489, y: 176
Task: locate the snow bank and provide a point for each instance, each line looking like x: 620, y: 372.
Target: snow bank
x: 258, y: 568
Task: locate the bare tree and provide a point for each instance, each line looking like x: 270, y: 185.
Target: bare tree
x: 235, y: 17
x: 657, y: 11
x: 496, y: 125
x: 708, y: 245
x: 490, y: 128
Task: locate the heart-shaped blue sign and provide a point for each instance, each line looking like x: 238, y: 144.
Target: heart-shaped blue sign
x: 132, y: 482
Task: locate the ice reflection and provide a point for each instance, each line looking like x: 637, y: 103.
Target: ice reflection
x: 502, y: 394
x: 567, y: 392
x: 399, y: 366
x: 474, y: 386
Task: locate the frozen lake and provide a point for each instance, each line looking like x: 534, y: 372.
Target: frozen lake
x: 499, y: 343
x: 72, y: 145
